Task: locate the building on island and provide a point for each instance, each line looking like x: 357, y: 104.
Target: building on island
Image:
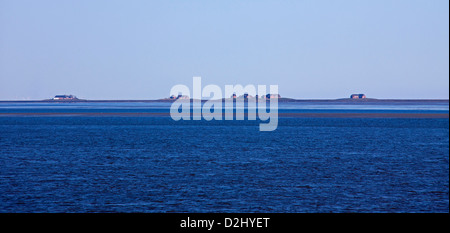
x: 65, y: 97
x: 273, y: 96
x: 175, y: 97
x: 357, y: 96
x: 244, y: 96
x: 183, y: 97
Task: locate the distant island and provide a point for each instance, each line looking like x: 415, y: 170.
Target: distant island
x: 353, y: 99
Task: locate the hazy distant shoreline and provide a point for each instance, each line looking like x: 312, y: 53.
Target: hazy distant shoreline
x: 281, y: 100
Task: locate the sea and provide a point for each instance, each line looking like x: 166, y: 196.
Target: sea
x: 120, y: 157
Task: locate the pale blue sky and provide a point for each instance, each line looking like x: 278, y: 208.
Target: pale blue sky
x: 140, y: 49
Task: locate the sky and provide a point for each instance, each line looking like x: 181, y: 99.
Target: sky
x: 311, y: 49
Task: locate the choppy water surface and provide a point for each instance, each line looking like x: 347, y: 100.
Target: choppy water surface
x: 154, y: 164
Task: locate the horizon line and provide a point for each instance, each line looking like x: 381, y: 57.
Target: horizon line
x: 170, y: 100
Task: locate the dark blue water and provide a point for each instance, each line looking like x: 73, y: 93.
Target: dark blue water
x: 154, y: 164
